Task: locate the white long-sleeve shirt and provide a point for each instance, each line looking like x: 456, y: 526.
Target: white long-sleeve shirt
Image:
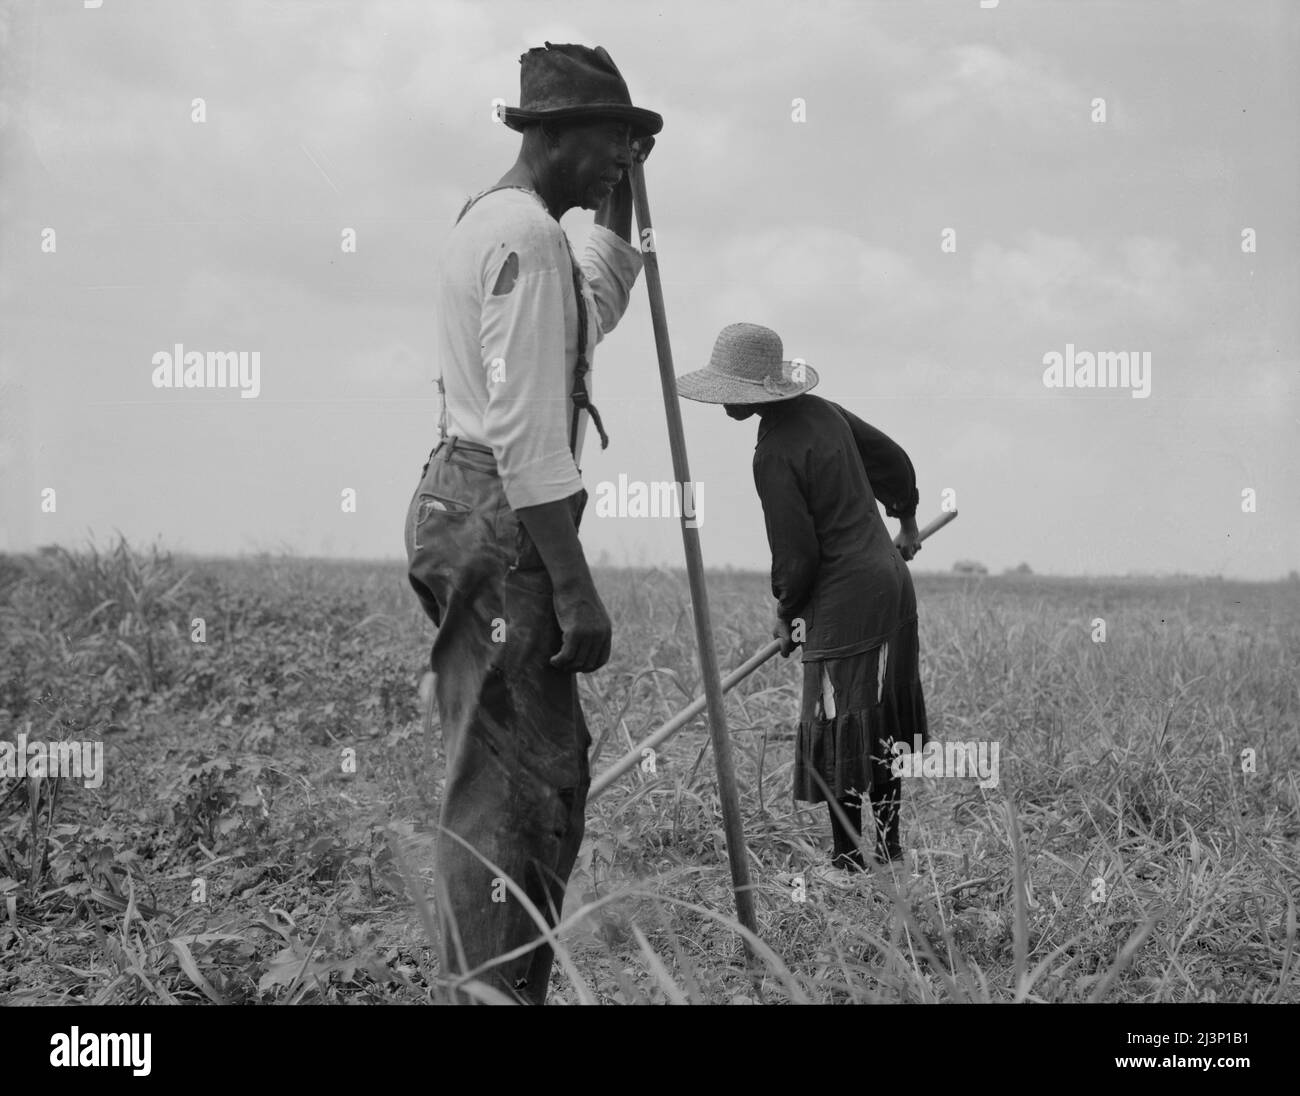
x: 507, y: 359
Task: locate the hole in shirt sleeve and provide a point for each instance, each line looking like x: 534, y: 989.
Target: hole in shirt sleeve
x: 506, y: 279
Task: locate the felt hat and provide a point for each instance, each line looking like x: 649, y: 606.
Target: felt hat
x: 571, y: 81
x: 747, y: 366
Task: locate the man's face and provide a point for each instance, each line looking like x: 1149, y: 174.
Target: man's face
x: 593, y: 157
x: 740, y: 411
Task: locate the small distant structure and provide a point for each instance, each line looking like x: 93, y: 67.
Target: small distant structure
x: 969, y: 567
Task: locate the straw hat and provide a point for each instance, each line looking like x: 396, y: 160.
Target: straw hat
x: 747, y: 367
x: 559, y: 82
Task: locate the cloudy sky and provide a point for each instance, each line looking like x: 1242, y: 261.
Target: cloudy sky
x: 129, y: 227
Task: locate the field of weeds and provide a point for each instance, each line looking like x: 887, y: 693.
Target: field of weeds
x: 1127, y: 853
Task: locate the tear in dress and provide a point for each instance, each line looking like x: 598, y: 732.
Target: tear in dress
x: 854, y: 709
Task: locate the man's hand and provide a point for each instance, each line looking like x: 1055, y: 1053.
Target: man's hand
x: 586, y: 629
x: 782, y: 632
x: 908, y: 541
x: 584, y: 624
x: 615, y: 212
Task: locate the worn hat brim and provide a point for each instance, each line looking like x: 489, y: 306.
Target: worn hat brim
x: 709, y: 386
x: 644, y: 123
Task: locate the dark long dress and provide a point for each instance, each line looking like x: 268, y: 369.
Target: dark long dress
x: 819, y: 471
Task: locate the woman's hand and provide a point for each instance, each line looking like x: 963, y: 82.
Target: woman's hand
x: 782, y: 632
x: 908, y: 541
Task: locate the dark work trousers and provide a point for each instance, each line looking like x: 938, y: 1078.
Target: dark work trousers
x: 513, y: 731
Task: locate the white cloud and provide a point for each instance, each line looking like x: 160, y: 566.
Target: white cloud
x: 977, y: 80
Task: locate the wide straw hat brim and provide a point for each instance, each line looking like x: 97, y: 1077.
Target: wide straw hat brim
x: 707, y: 385
x: 643, y: 122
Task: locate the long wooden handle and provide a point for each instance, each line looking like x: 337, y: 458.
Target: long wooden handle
x: 696, y: 706
x: 728, y: 791
x: 937, y: 524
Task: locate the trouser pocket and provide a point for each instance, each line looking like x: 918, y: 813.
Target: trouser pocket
x: 451, y: 541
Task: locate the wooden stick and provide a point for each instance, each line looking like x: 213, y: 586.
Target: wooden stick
x: 727, y: 789
x: 696, y: 706
x: 664, y: 733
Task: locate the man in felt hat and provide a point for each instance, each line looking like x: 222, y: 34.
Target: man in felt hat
x: 843, y: 592
x: 492, y: 530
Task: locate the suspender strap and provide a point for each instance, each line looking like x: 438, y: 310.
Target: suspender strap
x: 581, y: 400
x: 579, y: 396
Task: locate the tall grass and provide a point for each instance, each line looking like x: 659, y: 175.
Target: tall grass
x: 1124, y: 855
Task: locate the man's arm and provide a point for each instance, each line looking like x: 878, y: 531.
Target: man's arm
x: 522, y: 346
x: 611, y: 261
x: 583, y: 621
x: 609, y: 267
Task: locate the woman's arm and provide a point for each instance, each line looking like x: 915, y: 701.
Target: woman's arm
x: 889, y: 469
x: 796, y: 555
x: 892, y: 478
